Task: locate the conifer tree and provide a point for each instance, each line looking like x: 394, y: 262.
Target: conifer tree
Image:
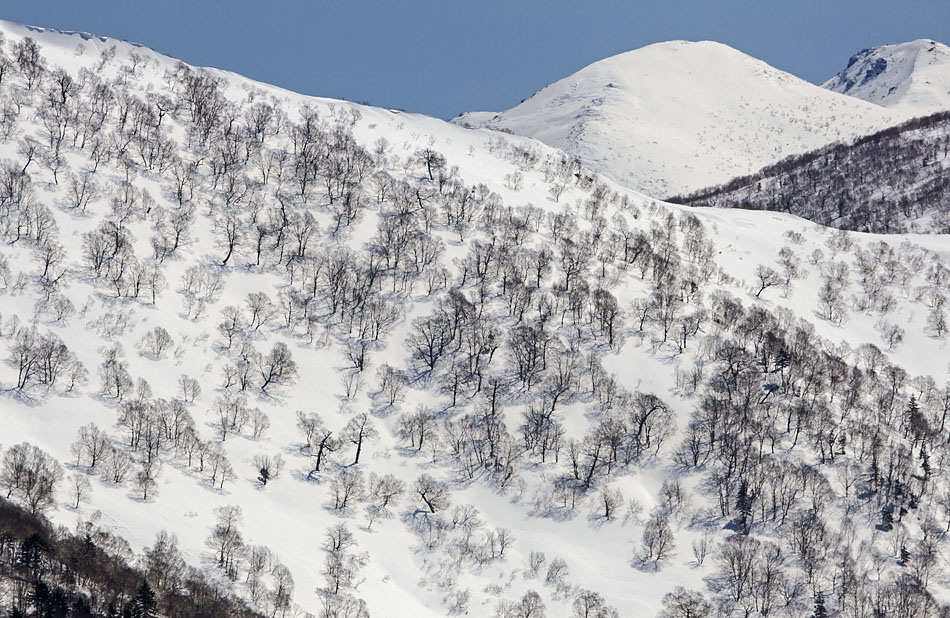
x: 744, y: 501
x: 144, y: 604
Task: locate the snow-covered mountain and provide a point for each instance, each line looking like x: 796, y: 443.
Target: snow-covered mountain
x: 357, y: 362
x: 674, y: 117
x: 896, y: 180
x: 910, y: 78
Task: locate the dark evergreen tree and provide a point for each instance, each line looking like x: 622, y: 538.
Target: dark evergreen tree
x: 31, y: 554
x: 887, y: 518
x: 144, y: 604
x: 81, y: 609
x: 49, y: 602
x: 744, y: 501
x: 917, y: 425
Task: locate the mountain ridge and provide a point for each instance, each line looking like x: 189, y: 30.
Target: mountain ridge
x: 656, y: 118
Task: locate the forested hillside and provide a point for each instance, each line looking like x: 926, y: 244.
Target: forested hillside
x: 893, y: 181
x: 340, y: 361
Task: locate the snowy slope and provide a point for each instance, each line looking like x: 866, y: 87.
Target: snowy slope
x: 910, y: 78
x: 674, y: 117
x: 485, y: 242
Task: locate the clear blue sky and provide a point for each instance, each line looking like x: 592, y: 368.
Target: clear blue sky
x: 443, y: 57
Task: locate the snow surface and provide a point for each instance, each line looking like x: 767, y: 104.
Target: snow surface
x: 674, y: 117
x: 910, y: 78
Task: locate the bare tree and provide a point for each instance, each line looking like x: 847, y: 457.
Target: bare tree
x: 190, y: 388
x: 590, y: 604
x: 767, y: 277
x: 434, y: 494
x: 30, y: 475
x: 277, y: 367
x: 146, y: 478
x: 657, y: 541
x: 80, y: 489
x: 937, y: 322
x: 357, y: 431
x: 683, y: 603
x: 117, y: 466
x: 91, y: 446
x: 156, y: 342
x: 338, y: 539
x: 260, y: 423
x: 226, y: 540
x: 268, y: 467
x: 27, y: 56
x: 347, y: 486
x: 385, y: 489
x: 229, y: 231
x: 432, y: 160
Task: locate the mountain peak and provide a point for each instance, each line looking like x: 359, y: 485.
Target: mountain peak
x: 912, y: 77
x: 677, y: 116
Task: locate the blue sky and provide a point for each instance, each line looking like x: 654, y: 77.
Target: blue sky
x: 443, y: 57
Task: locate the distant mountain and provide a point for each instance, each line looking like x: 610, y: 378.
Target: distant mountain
x: 675, y: 117
x: 892, y: 181
x: 912, y: 78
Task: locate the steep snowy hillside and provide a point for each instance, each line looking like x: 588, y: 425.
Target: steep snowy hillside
x: 674, y: 117
x: 911, y: 78
x: 348, y: 362
x: 897, y: 180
